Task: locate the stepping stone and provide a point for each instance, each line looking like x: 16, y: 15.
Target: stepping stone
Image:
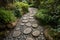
x: 28, y: 24
x: 34, y: 25
x: 36, y: 33
x: 22, y: 24
x: 43, y: 38
x: 31, y: 17
x: 19, y: 37
x: 27, y: 31
x: 16, y: 33
x: 24, y: 17
x: 29, y: 38
x: 24, y: 21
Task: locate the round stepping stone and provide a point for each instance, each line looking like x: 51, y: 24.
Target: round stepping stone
x: 36, y: 33
x: 16, y: 33
x: 29, y: 38
x: 24, y: 17
x: 31, y: 17
x: 28, y: 24
x: 24, y: 20
x: 27, y: 31
x: 34, y: 25
x: 22, y: 24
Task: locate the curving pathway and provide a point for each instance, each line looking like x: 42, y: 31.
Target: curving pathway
x: 27, y: 28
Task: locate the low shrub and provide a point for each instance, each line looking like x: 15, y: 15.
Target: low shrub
x: 42, y: 17
x: 22, y: 6
x: 46, y: 17
x: 17, y: 13
x: 6, y: 16
x: 54, y: 33
x: 49, y: 14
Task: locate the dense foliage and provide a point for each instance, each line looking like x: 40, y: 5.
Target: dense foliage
x: 17, y: 13
x: 49, y: 14
x: 23, y: 7
x: 6, y: 16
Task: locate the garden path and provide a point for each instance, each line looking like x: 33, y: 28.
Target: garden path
x: 27, y: 28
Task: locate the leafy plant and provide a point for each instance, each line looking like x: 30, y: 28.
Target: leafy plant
x: 6, y: 16
x: 17, y: 13
x: 42, y: 17
x: 22, y: 6
x: 49, y: 14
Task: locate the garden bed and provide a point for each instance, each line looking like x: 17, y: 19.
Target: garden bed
x: 13, y: 24
x: 51, y: 34
x: 48, y: 37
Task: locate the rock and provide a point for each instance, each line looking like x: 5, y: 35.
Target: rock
x: 34, y: 25
x: 43, y: 38
x: 36, y: 33
x: 28, y: 24
x: 29, y: 38
x: 16, y: 39
x: 27, y: 31
x: 16, y: 33
x: 41, y: 33
x: 17, y: 29
x: 19, y: 37
x: 24, y: 20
